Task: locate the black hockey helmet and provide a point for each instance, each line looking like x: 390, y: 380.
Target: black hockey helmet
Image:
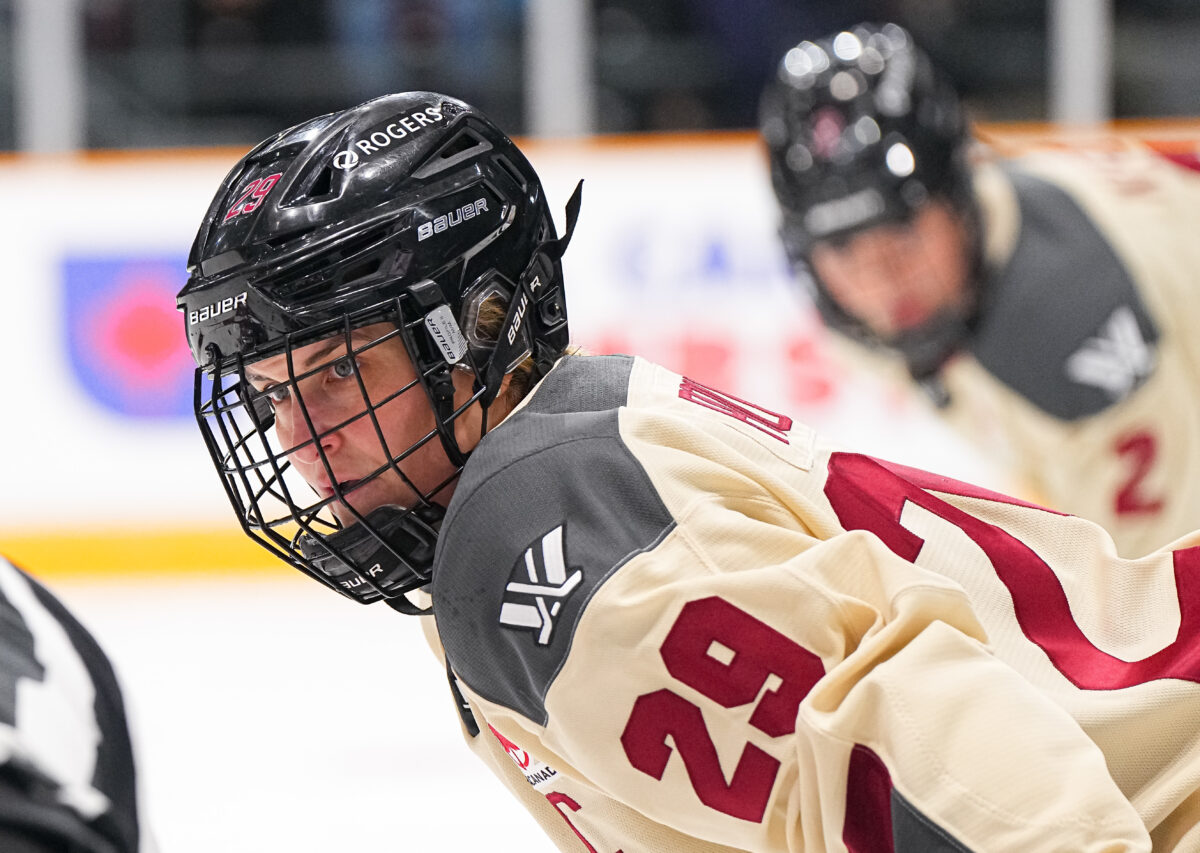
x: 412, y: 210
x: 861, y: 130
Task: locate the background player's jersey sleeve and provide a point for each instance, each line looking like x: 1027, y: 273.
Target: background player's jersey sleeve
x: 1086, y: 354
x: 747, y: 674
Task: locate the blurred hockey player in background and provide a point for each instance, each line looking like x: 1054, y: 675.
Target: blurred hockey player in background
x: 1046, y: 303
x: 672, y: 620
x: 68, y: 780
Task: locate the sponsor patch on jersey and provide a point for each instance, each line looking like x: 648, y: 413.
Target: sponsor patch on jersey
x: 536, y: 772
x: 538, y: 587
x: 563, y: 504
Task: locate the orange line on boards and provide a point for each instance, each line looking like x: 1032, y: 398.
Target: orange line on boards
x: 136, y: 552
x: 1182, y: 130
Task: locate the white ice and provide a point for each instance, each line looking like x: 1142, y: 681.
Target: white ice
x: 274, y: 716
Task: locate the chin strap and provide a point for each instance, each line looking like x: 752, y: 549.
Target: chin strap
x: 441, y: 389
x: 464, y: 708
x: 930, y: 346
x: 401, y: 604
x: 388, y: 553
x: 950, y: 331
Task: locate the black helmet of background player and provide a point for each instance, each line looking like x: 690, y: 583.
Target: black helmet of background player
x: 411, y: 210
x: 861, y: 131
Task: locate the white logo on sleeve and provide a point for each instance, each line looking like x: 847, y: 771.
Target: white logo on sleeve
x: 535, y: 594
x: 1117, y: 359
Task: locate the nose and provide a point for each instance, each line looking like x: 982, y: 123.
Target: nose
x: 875, y: 271
x: 893, y: 277
x: 304, y: 443
x: 881, y: 257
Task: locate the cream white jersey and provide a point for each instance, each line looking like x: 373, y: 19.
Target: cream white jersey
x: 1082, y: 370
x: 681, y: 622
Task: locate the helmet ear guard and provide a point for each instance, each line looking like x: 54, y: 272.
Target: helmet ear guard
x: 536, y: 301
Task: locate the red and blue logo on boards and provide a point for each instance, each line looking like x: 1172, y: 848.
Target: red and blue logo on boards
x: 125, y: 337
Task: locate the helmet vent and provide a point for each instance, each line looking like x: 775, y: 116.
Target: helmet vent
x: 363, y: 270
x: 312, y: 272
x: 322, y: 184
x: 464, y: 145
x: 513, y: 172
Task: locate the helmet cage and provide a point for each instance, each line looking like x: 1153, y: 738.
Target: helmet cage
x: 274, y: 504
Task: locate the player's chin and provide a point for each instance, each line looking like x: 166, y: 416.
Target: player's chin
x: 360, y: 502
x: 352, y: 514
x: 909, y: 317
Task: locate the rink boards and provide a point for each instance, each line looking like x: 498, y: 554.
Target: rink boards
x: 675, y: 258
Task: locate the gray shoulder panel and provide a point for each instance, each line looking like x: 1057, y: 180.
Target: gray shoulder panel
x: 1063, y: 324
x: 549, y: 506
x: 596, y: 383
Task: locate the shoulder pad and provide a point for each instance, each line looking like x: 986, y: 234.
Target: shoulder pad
x: 550, y: 505
x: 1062, y: 324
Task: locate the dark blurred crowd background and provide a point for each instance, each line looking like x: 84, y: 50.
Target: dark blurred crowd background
x: 203, y: 72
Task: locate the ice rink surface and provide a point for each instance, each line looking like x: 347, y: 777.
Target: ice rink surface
x: 273, y: 716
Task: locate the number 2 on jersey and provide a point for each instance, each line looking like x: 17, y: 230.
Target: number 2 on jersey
x: 1140, y: 449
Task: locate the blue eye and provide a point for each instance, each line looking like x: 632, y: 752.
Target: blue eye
x: 344, y: 368
x: 277, y: 393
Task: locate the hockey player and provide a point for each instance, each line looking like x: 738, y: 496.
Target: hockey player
x: 672, y: 620
x: 67, y: 774
x: 1043, y: 302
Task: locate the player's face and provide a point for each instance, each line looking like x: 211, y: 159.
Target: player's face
x: 895, y: 278
x: 342, y: 431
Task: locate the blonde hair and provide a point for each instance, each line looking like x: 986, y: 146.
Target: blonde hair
x: 521, y: 379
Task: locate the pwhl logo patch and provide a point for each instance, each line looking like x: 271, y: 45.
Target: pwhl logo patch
x: 539, y: 586
x: 1117, y: 359
x: 123, y: 335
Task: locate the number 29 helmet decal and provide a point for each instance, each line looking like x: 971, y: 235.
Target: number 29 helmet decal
x: 410, y: 216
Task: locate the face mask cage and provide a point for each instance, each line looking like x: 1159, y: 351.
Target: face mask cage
x: 927, y: 347
x: 385, y: 551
